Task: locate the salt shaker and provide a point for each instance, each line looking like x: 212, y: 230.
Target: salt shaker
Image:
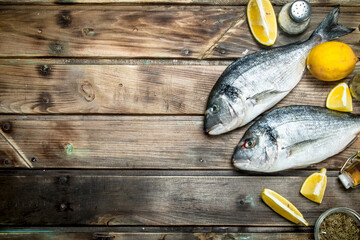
x: 294, y: 17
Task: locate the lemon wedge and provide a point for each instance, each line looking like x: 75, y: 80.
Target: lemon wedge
x: 282, y: 206
x: 314, y: 186
x: 339, y: 98
x: 262, y: 21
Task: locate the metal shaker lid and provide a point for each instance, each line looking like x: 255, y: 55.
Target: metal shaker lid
x: 300, y: 11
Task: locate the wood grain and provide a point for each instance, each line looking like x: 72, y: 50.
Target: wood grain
x: 127, y: 142
x: 155, y: 236
x: 197, y: 2
x: 127, y: 89
x: 88, y: 198
x: 238, y: 40
x: 139, y: 32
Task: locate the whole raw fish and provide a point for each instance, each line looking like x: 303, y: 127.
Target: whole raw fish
x: 256, y: 82
x: 295, y: 136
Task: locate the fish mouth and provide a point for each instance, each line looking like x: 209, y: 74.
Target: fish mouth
x: 216, y: 129
x: 242, y: 164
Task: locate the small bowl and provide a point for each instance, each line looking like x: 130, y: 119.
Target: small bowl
x: 347, y: 211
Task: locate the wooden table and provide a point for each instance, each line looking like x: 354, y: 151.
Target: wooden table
x: 101, y: 122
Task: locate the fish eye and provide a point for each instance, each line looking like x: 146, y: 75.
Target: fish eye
x: 214, y: 108
x: 249, y: 143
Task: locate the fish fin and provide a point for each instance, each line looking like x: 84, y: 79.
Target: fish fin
x: 329, y: 28
x: 263, y: 96
x: 292, y: 149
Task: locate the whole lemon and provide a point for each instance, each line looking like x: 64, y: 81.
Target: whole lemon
x: 331, y: 61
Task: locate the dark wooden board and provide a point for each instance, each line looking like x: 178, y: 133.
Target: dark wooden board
x: 154, y: 236
x: 174, y: 2
x: 127, y: 142
x: 127, y: 89
x: 140, y: 31
x: 100, y: 198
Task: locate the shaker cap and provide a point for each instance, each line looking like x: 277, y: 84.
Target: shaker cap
x: 300, y: 11
x: 344, y: 178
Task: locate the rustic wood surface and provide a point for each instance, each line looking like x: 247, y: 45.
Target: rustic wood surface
x: 196, y: 32
x: 189, y: 2
x: 110, y: 198
x: 128, y: 142
x: 105, y: 103
x: 154, y: 236
x: 127, y: 89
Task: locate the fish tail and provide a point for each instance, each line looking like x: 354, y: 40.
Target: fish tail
x: 329, y: 28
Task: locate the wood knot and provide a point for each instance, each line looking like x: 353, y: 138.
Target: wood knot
x: 33, y: 159
x: 44, y: 102
x: 64, y: 19
x: 246, y: 201
x: 186, y: 52
x: 44, y: 70
x: 63, y: 180
x: 87, y: 91
x: 6, y: 127
x: 221, y: 51
x: 56, y: 48
x: 68, y: 148
x: 89, y: 31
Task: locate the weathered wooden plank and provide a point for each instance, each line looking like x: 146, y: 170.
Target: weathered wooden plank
x: 127, y: 142
x: 239, y: 41
x: 155, y: 236
x: 85, y: 198
x: 137, y: 31
x: 162, y: 31
x: 127, y: 89
x: 205, y: 229
x: 197, y: 2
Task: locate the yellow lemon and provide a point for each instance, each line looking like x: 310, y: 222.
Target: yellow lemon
x: 331, y: 61
x: 262, y: 21
x: 282, y: 206
x: 339, y: 98
x: 314, y: 186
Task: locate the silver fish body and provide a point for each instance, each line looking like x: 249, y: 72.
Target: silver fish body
x: 256, y: 82
x: 293, y: 137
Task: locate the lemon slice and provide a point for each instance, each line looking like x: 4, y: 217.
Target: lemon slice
x: 282, y: 206
x: 262, y: 21
x: 339, y: 98
x: 314, y: 186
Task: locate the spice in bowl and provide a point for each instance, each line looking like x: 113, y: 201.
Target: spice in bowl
x: 338, y: 223
x: 339, y: 226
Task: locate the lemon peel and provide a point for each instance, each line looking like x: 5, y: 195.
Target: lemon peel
x: 314, y: 186
x: 331, y: 61
x: 339, y: 98
x: 283, y: 207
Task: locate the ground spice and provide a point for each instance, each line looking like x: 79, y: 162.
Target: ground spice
x: 339, y: 226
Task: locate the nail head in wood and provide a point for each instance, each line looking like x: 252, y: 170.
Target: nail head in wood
x: 6, y: 126
x: 7, y: 161
x: 44, y: 70
x: 62, y: 207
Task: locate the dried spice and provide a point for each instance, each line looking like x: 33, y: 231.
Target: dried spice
x: 339, y: 226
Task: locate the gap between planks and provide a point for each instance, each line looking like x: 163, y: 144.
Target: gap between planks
x: 161, y: 173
